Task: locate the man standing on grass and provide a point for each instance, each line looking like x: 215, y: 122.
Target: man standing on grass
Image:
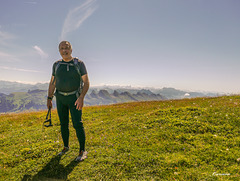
x: 70, y: 79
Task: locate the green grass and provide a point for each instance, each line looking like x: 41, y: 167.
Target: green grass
x: 189, y: 139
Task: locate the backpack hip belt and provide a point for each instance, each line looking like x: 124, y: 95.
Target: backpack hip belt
x: 67, y: 93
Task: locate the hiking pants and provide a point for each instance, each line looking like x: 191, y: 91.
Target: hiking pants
x: 64, y: 104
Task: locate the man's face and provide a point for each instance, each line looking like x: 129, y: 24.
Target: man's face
x: 65, y: 50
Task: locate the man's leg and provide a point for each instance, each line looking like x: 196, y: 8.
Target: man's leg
x: 63, y: 114
x: 78, y: 125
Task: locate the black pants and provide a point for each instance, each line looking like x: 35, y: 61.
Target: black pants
x: 64, y: 104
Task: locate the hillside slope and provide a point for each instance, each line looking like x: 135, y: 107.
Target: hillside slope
x: 189, y: 139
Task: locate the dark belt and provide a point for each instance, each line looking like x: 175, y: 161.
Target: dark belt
x: 67, y: 93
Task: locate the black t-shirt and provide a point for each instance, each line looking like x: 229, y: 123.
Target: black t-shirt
x: 67, y: 76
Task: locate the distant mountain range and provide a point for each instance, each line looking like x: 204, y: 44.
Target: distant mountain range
x: 7, y: 87
x: 36, y: 99
x: 17, y: 97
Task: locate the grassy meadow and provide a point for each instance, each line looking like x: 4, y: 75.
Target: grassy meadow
x: 188, y: 139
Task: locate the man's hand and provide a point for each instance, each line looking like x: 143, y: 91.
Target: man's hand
x: 79, y: 103
x: 49, y: 103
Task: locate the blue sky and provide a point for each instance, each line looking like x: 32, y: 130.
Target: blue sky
x: 185, y: 44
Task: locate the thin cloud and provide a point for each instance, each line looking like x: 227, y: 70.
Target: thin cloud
x: 77, y: 16
x: 30, y: 2
x: 7, y: 57
x: 40, y: 52
x: 5, y: 36
x: 17, y: 69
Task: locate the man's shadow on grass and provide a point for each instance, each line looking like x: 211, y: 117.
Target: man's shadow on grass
x: 53, y: 171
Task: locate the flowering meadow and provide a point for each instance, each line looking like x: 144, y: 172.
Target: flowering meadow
x: 187, y: 139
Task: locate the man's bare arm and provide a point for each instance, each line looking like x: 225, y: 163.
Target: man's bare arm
x: 51, y: 87
x: 51, y: 90
x: 80, y: 100
x: 85, y: 85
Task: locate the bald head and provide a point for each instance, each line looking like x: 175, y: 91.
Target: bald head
x: 65, y: 43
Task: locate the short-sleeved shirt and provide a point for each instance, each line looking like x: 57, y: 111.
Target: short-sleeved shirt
x: 67, y: 77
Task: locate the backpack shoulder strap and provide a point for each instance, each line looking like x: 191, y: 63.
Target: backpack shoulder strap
x: 76, y: 64
x: 57, y: 65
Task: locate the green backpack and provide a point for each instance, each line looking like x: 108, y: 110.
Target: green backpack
x: 77, y: 67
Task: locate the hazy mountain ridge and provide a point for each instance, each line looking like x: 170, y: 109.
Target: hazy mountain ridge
x: 104, y: 97
x: 17, y: 97
x: 23, y: 101
x: 8, y: 87
x: 36, y: 99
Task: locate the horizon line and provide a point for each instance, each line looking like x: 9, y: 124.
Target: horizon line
x: 127, y: 86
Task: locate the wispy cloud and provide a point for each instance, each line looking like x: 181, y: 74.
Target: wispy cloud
x: 18, y: 69
x: 77, y: 16
x: 7, y: 57
x: 5, y: 36
x: 30, y: 2
x: 40, y: 52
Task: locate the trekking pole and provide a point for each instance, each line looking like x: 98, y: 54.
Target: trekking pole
x: 48, y: 119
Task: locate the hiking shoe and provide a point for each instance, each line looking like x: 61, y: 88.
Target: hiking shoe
x: 65, y: 149
x: 82, y: 155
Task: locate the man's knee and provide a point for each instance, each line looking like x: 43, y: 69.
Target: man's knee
x: 78, y: 125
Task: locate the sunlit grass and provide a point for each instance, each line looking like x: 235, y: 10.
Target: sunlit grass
x: 189, y: 139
